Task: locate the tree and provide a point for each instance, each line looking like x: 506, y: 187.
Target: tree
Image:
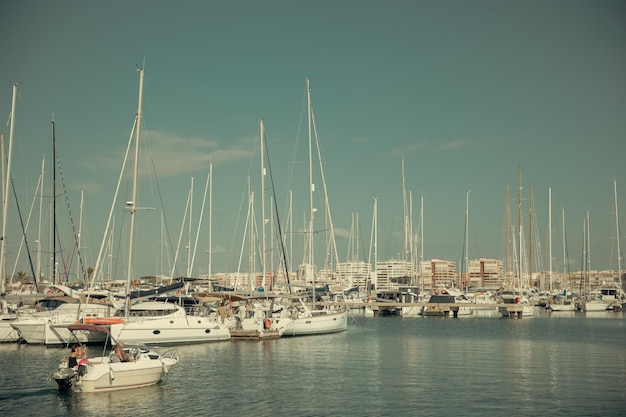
x: 21, y: 277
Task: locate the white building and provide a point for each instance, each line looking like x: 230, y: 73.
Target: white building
x: 394, y: 273
x: 355, y: 274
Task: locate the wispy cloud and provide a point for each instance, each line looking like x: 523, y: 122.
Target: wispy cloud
x: 175, y: 154
x: 341, y: 232
x: 450, y: 146
x: 409, y: 149
x: 455, y: 145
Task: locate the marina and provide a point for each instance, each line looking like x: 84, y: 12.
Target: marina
x: 437, y: 285
x: 569, y: 363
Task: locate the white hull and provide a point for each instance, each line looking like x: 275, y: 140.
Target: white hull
x: 319, y: 322
x: 485, y: 312
x: 485, y: 309
x: 50, y: 328
x: 259, y: 324
x: 101, y: 375
x: 7, y: 332
x: 171, y: 330
x: 595, y: 306
x: 563, y: 307
x: 405, y: 311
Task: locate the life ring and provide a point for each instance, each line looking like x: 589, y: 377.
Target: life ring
x: 267, y: 323
x: 102, y: 320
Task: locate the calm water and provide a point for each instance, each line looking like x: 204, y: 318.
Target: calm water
x: 566, y: 364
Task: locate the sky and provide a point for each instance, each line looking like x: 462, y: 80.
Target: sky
x: 465, y: 95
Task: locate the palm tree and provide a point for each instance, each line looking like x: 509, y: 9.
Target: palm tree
x: 21, y: 276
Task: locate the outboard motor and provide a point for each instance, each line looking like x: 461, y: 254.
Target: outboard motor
x: 65, y: 379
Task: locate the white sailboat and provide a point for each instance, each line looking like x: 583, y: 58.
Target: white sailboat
x: 50, y: 327
x: 559, y: 302
x: 159, y: 322
x: 619, y: 249
x: 252, y: 316
x: 517, y: 295
x: 594, y: 300
x: 7, y: 332
x: 309, y: 320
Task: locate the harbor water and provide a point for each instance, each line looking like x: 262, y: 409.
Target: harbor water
x: 556, y: 364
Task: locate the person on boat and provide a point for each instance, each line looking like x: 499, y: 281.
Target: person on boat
x: 119, y: 353
x: 72, y: 362
x: 77, y: 356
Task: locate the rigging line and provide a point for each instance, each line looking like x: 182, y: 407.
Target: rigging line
x: 168, y: 236
x: 19, y: 212
x: 39, y: 182
x: 279, y: 228
x: 69, y: 210
x: 97, y: 268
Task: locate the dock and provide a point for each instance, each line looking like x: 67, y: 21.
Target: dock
x: 378, y: 307
x: 240, y: 334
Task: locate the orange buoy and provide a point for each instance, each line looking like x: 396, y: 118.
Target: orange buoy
x: 103, y: 320
x: 267, y: 323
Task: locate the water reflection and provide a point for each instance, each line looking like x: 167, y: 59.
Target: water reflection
x: 114, y: 403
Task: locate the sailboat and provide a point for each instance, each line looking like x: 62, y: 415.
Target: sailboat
x: 517, y: 295
x: 310, y: 318
x: 50, y: 327
x: 251, y: 316
x: 559, y: 302
x: 158, y: 322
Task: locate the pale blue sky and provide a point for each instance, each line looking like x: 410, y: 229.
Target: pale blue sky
x: 464, y: 92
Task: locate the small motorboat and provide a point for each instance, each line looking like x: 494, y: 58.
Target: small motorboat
x: 141, y: 367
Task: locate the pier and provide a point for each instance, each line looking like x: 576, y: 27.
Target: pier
x: 513, y: 310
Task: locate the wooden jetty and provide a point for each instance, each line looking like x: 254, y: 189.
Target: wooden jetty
x: 240, y: 334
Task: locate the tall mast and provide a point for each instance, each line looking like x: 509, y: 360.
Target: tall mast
x: 583, y: 268
x: 466, y: 237
x: 263, y: 237
x: 508, y: 236
x: 421, y: 241
x: 5, y: 197
x: 588, y: 250
x: 619, y: 251
x: 412, y: 239
x: 43, y: 170
x: 189, y: 226
x: 565, y: 257
x: 210, y: 217
x: 405, y: 214
x: 311, y: 188
x: 519, y: 226
x: 133, y: 203
x: 54, y: 207
x: 78, y: 241
x: 530, y: 238
x: 375, y: 239
x: 550, y: 238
